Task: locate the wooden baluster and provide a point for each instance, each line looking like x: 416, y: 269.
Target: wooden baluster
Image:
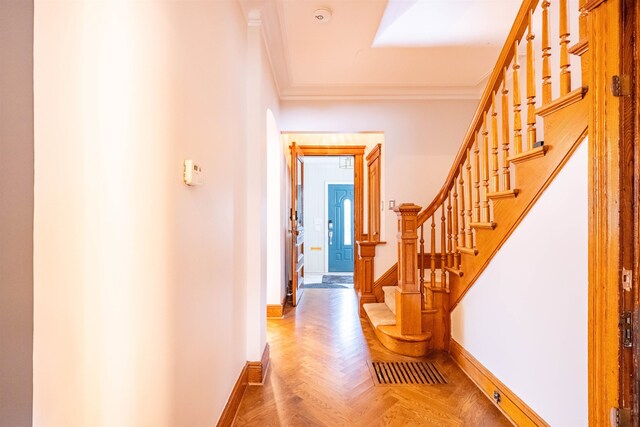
x: 463, y: 212
x: 565, y: 64
x: 433, y: 250
x: 546, y: 54
x: 450, y: 248
x: 517, y: 103
x: 505, y: 133
x: 469, y: 235
x: 456, y: 213
x: 495, y: 177
x: 421, y: 266
x: 531, y: 87
x: 443, y: 245
x: 485, y: 170
x: 476, y: 178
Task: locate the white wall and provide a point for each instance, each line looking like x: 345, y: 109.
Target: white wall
x: 525, y: 318
x: 421, y: 139
x: 318, y: 172
x: 277, y: 216
x: 16, y: 212
x: 261, y: 95
x: 141, y: 307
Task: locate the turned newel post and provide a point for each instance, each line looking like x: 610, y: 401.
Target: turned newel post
x: 366, y: 254
x: 408, y: 298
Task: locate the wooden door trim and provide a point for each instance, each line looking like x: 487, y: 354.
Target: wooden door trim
x: 608, y: 179
x: 373, y: 194
x: 357, y: 151
x: 295, y: 228
x: 374, y: 154
x: 629, y: 200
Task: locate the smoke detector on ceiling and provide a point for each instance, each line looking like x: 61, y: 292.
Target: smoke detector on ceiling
x: 322, y: 15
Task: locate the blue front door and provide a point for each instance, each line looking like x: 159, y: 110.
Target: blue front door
x: 340, y: 227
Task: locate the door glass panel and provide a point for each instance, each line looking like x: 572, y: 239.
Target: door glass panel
x: 347, y: 222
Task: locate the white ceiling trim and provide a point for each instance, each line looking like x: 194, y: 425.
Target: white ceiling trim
x: 269, y: 15
x: 377, y: 93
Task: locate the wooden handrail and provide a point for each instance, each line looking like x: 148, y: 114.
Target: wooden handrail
x: 494, y: 84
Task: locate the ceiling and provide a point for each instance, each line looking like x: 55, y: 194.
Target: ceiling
x: 379, y: 49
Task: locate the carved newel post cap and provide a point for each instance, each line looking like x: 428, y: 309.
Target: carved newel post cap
x: 407, y: 208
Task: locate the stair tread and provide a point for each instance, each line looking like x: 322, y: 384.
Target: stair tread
x: 379, y: 314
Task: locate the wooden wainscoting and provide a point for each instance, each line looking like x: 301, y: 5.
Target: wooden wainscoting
x: 510, y: 404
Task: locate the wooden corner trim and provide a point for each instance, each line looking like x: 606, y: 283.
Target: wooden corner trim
x: 510, y: 404
x: 231, y: 408
x: 374, y: 154
x: 257, y: 371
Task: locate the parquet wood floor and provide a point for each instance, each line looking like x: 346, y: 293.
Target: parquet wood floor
x: 319, y: 376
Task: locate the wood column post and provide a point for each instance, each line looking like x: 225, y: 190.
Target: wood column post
x: 408, y: 298
x: 366, y: 254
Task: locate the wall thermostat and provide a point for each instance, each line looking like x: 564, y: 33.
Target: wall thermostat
x: 192, y: 173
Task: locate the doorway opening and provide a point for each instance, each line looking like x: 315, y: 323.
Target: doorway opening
x: 328, y: 199
x: 321, y: 214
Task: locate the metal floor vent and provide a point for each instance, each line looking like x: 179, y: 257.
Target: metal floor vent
x: 402, y: 373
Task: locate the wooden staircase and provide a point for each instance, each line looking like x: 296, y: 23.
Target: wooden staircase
x: 498, y: 174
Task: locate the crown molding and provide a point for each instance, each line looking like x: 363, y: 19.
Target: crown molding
x: 372, y: 92
x: 269, y: 16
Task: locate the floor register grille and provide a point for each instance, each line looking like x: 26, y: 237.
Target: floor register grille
x: 404, y: 373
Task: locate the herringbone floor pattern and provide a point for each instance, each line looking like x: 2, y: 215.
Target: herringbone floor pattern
x: 319, y: 376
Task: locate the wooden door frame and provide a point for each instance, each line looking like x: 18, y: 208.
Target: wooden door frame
x: 613, y: 204
x: 630, y: 201
x: 373, y: 194
x: 357, y: 151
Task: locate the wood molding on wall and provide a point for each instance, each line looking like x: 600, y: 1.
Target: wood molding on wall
x: 275, y: 311
x: 603, y: 62
x: 253, y: 373
x: 374, y: 170
x: 357, y: 151
x: 257, y: 371
x: 510, y: 404
x: 231, y: 408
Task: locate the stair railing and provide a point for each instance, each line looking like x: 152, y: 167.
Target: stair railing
x: 496, y: 138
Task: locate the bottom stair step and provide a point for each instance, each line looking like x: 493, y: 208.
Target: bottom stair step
x: 379, y: 314
x: 384, y: 325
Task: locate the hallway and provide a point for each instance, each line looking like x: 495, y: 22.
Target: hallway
x: 324, y: 332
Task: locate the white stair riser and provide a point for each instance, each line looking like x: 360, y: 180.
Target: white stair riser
x: 390, y: 298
